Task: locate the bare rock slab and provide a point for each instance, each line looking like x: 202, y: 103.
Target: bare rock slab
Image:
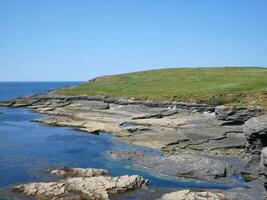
x: 186, y: 166
x: 192, y: 195
x: 208, y: 195
x: 89, y: 184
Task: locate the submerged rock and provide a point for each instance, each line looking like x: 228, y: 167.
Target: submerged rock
x: 236, y: 114
x: 91, y: 184
x: 256, y: 133
x: 76, y: 172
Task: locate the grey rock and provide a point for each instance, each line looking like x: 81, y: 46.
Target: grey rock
x: 98, y: 105
x: 236, y: 114
x: 255, y: 131
x: 194, y: 195
x: 263, y: 162
x: 241, y: 193
x: 187, y: 166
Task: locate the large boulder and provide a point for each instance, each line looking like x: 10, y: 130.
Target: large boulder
x: 236, y: 114
x: 255, y: 130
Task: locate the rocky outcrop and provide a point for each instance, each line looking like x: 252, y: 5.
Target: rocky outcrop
x: 96, y: 186
x: 256, y: 133
x: 236, y: 114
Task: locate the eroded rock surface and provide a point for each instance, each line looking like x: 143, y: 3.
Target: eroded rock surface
x: 256, y: 133
x: 89, y: 184
x: 186, y: 166
x: 236, y: 114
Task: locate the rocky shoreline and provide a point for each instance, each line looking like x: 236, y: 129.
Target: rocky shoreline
x: 197, y: 141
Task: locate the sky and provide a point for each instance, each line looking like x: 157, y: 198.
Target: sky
x: 76, y: 40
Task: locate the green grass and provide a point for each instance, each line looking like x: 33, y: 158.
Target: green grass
x: 225, y: 85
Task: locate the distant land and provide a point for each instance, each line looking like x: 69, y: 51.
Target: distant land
x: 223, y: 85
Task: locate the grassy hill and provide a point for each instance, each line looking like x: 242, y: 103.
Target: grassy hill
x: 226, y: 85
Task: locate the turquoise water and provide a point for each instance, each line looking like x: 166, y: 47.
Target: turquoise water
x: 27, y: 148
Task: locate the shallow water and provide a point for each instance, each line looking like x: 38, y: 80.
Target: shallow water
x: 28, y: 148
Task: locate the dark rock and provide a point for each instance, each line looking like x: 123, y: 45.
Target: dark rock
x: 6, y: 103
x: 256, y: 133
x: 236, y: 114
x: 24, y: 102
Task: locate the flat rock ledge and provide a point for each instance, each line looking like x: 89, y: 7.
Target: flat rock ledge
x: 89, y: 184
x: 184, y: 166
x: 207, y: 195
x: 194, y: 195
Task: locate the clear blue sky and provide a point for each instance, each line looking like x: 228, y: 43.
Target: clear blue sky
x: 45, y: 40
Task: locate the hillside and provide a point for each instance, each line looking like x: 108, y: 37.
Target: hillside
x: 225, y: 85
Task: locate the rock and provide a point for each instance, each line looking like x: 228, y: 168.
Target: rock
x: 24, y: 102
x: 194, y: 195
x: 94, y: 187
x: 236, y: 114
x: 243, y: 194
x: 249, y: 176
x: 186, y: 166
x: 263, y: 162
x: 6, y: 103
x: 97, y: 105
x: 78, y: 172
x: 255, y: 130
